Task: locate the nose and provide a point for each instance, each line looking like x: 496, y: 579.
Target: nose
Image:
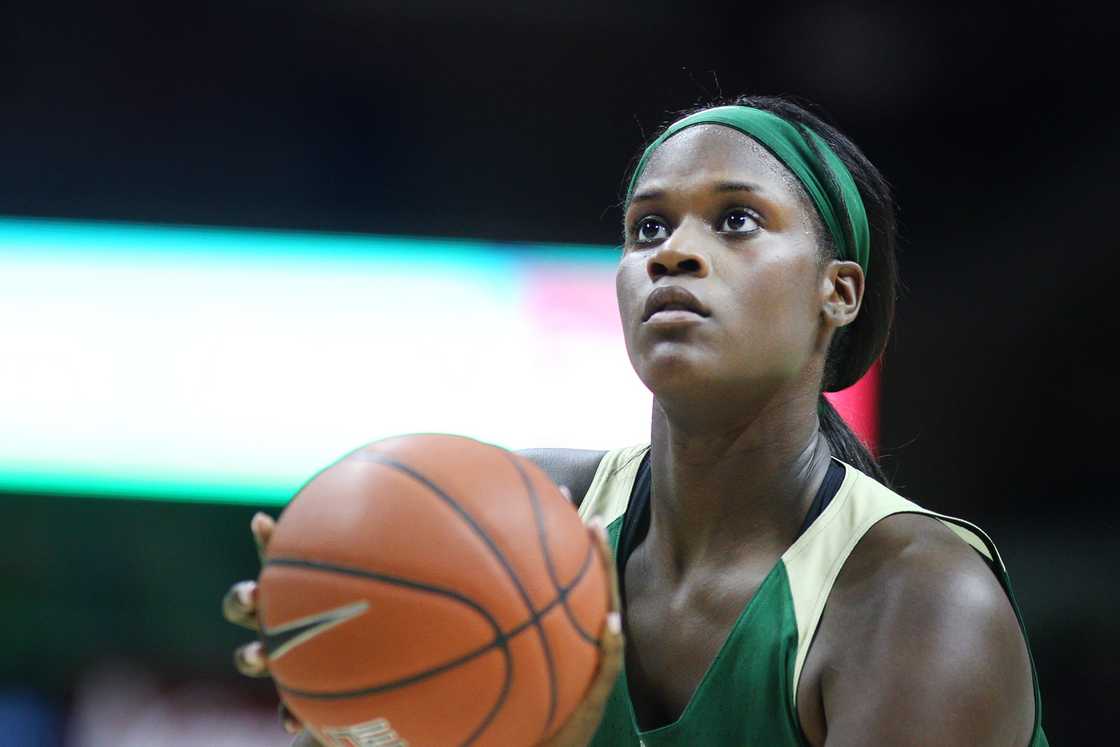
x: 675, y: 257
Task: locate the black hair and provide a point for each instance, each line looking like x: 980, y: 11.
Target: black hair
x: 856, y: 347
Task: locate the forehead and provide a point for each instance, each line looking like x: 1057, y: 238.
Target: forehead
x: 711, y: 153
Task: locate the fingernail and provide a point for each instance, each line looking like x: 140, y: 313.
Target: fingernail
x: 596, y: 522
x: 253, y: 656
x: 244, y: 592
x: 614, y: 623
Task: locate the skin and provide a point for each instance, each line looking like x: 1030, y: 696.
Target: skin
x: 918, y: 643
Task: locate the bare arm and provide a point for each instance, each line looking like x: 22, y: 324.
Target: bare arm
x: 572, y: 468
x: 922, y: 647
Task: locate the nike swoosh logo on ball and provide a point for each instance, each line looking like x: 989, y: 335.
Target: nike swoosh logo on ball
x: 283, y: 638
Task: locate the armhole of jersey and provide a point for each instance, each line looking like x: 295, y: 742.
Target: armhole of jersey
x: 609, y: 491
x: 813, y: 562
x: 983, y: 544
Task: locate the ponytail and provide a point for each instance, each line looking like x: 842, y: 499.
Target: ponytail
x: 846, y: 445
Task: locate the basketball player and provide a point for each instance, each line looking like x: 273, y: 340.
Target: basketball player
x: 774, y: 590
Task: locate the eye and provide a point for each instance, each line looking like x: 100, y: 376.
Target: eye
x: 739, y: 220
x: 650, y: 229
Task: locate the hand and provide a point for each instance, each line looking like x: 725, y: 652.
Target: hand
x: 580, y: 727
x: 240, y: 607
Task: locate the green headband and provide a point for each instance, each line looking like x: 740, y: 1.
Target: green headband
x: 813, y: 168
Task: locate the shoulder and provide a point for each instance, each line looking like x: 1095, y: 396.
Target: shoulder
x: 573, y: 468
x: 914, y: 557
x: 919, y: 643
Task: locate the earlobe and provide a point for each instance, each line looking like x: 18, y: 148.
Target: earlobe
x: 843, y: 285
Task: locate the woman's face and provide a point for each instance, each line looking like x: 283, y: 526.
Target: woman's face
x: 721, y: 284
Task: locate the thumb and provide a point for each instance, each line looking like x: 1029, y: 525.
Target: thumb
x: 262, y: 526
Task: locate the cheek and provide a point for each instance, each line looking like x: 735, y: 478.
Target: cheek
x: 627, y: 287
x: 779, y: 308
x: 631, y: 283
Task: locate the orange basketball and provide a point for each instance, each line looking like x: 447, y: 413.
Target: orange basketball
x: 431, y: 590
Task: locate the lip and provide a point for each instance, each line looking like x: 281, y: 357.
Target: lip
x: 672, y: 303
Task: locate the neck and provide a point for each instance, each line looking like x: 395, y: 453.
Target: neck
x: 731, y: 486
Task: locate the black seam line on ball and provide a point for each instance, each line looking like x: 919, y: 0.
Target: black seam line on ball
x: 542, y: 540
x: 501, y: 640
x: 507, y: 679
x: 377, y: 458
x: 561, y: 599
x: 584, y: 634
x: 345, y: 570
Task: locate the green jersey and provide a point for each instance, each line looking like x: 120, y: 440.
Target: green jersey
x: 748, y: 696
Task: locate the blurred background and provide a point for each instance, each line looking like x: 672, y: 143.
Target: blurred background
x: 221, y: 220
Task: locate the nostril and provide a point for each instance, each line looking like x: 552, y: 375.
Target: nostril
x: 689, y: 265
x: 656, y: 270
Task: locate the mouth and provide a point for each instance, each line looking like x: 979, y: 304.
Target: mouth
x: 672, y: 303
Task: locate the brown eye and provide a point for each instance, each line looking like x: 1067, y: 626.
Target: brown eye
x: 739, y: 221
x: 650, y: 229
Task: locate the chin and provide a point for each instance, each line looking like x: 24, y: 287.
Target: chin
x: 675, y: 370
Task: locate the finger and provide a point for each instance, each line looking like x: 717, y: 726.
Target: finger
x: 262, y: 525
x: 239, y: 605
x: 566, y: 492
x: 606, y: 556
x: 288, y: 720
x: 251, y: 660
x: 581, y: 725
x: 612, y: 645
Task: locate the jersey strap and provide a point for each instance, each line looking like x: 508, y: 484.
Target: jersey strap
x: 609, y: 492
x: 749, y: 694
x: 815, y: 560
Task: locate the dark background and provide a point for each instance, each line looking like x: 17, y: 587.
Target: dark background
x: 517, y: 121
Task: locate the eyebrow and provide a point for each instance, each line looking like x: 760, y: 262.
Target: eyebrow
x: 654, y: 194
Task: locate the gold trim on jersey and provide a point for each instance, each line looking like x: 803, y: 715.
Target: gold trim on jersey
x: 814, y: 561
x: 609, y: 492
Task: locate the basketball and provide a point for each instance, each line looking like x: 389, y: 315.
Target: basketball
x: 431, y: 590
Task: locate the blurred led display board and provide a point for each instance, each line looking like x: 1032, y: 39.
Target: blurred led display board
x: 229, y: 365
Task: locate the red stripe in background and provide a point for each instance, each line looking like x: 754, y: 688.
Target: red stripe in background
x: 859, y: 406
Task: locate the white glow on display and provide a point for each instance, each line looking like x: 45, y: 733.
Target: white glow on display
x: 231, y: 365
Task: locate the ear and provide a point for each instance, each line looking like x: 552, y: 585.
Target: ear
x: 842, y: 285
